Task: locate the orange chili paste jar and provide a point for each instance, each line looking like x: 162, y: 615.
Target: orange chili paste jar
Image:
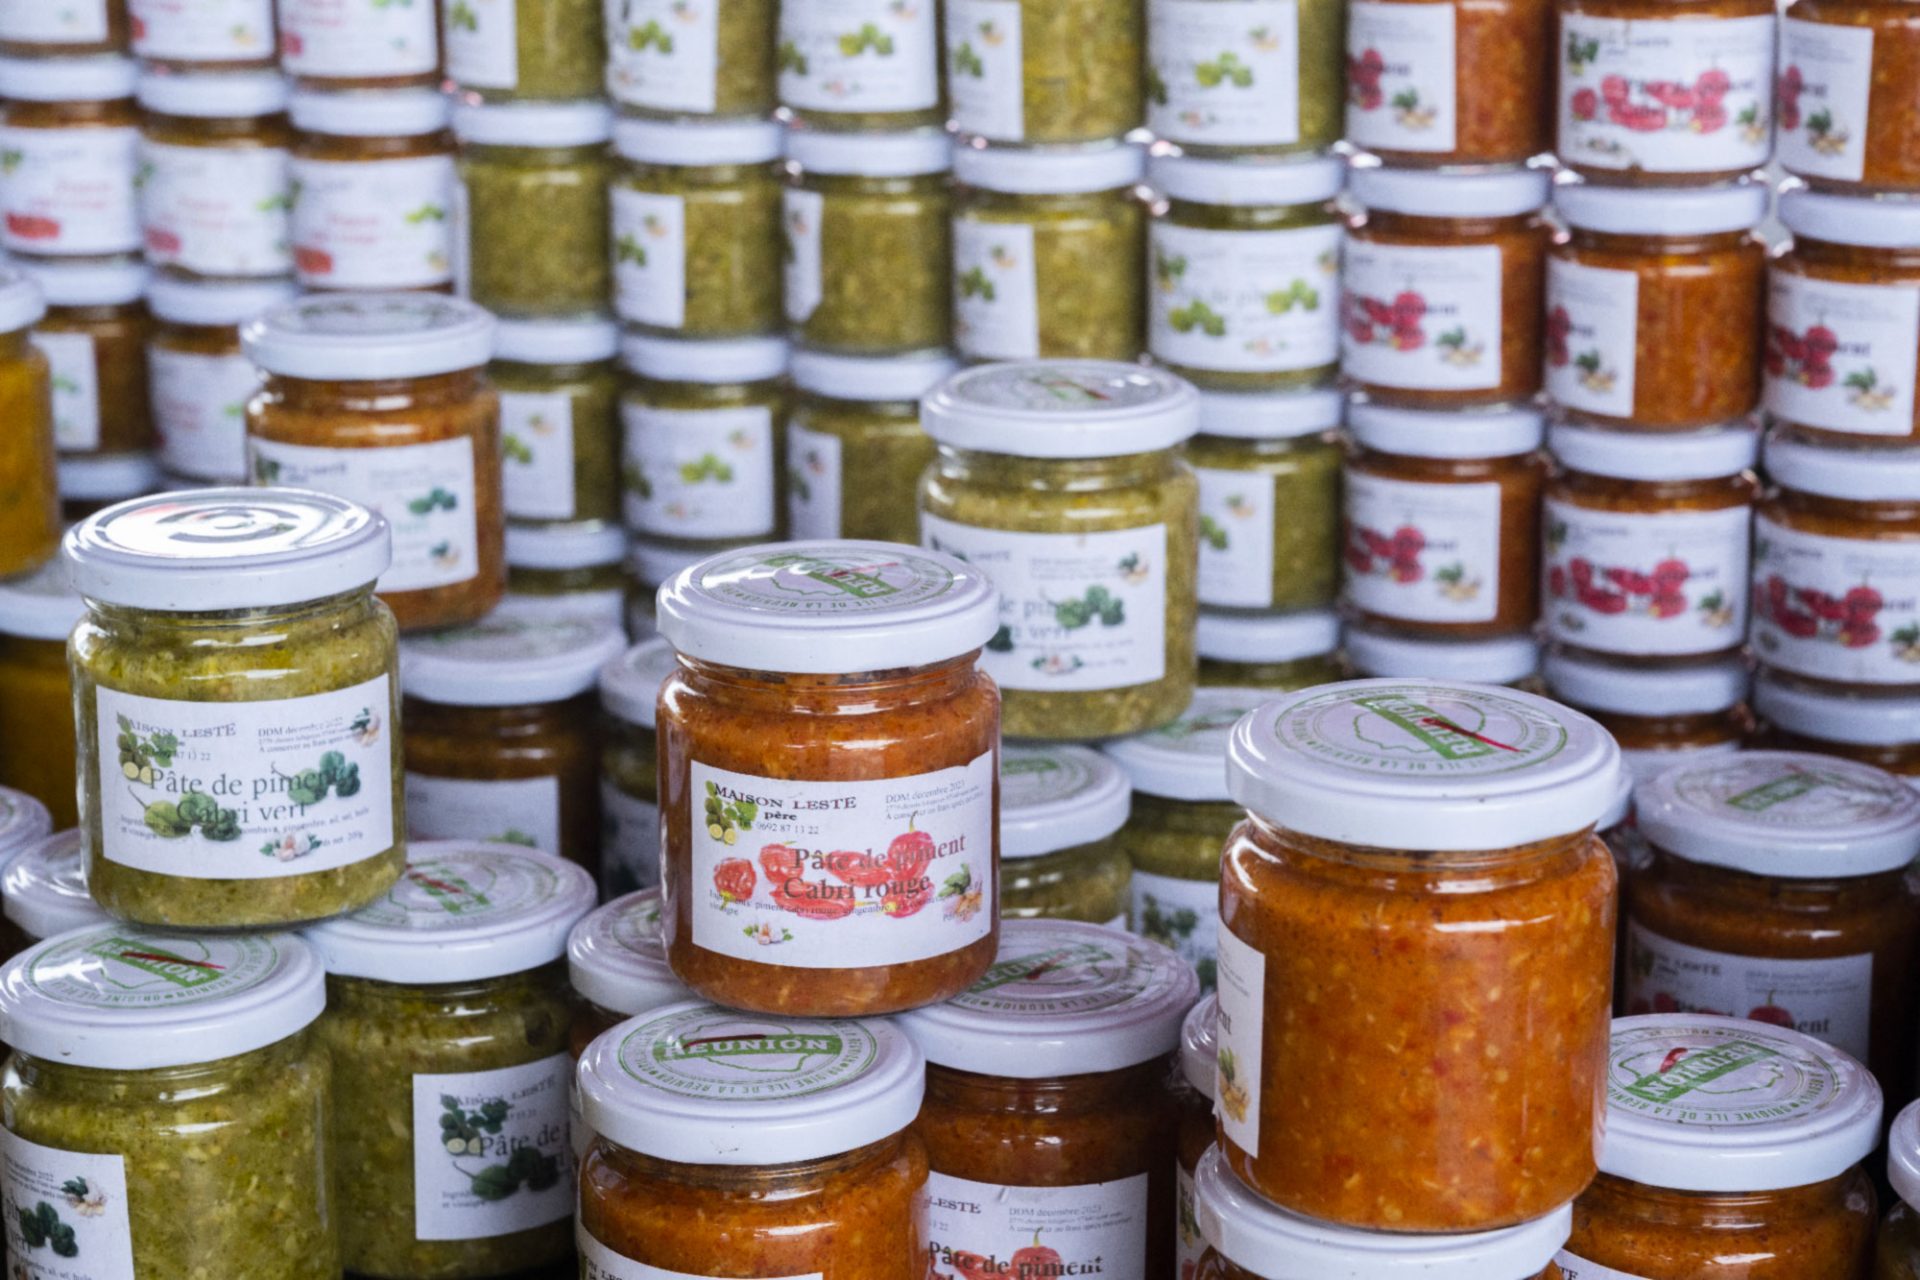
x: 1661, y: 714
x: 1849, y: 93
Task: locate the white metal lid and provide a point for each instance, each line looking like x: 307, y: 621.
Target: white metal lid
x: 1873, y: 222
x: 235, y: 548
x: 698, y: 142
x: 1707, y: 454
x: 630, y: 683
x: 617, y: 957
x: 1493, y: 660
x: 23, y: 820
x: 1494, y: 192
x: 1788, y: 814
x: 1622, y: 807
x: 654, y: 564
x: 462, y: 911
x: 45, y: 887
x: 107, y: 477
x: 1466, y: 433
x: 1054, y: 796
x: 348, y: 337
x: 1266, y: 637
x: 22, y: 303
x: 100, y: 77
x: 1274, y: 416
x: 697, y: 1084
x: 1697, y: 1102
x: 1200, y: 1044
x: 214, y: 94
x: 1856, y: 473
x: 370, y: 113
x: 1296, y: 180
x: 1677, y: 211
x: 96, y: 282
x: 582, y: 123
x: 565, y: 546
x: 718, y: 360
x: 215, y: 303
x: 1037, y: 171
x: 41, y: 605
x: 1856, y: 719
x: 508, y: 661
x: 872, y: 378
x: 1062, y: 409
x: 1630, y: 688
x: 579, y: 340
x: 1267, y: 1241
x: 1063, y: 998
x: 871, y: 155
x: 122, y: 997
x: 1423, y: 764
x: 1903, y: 1163
x: 828, y: 608
x: 1187, y: 759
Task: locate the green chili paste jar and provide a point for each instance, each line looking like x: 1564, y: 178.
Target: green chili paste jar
x: 1246, y: 77
x: 861, y: 64
x: 234, y: 688
x: 166, y: 1104
x: 1278, y: 652
x: 574, y: 571
x: 696, y: 226
x: 1387, y: 655
x: 1063, y: 482
x: 547, y: 49
x: 675, y: 58
x: 559, y: 420
x: 1060, y: 807
x: 533, y: 235
x: 867, y: 224
x: 1246, y: 271
x: 1049, y: 252
x: 1045, y: 70
x: 447, y: 1007
x: 855, y: 447
x: 630, y: 767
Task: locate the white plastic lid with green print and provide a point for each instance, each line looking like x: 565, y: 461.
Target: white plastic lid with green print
x: 1187, y: 760
x: 509, y: 660
x: 1697, y: 1102
x: 617, y: 958
x: 1200, y: 1046
x: 1903, y: 1156
x: 1054, y: 796
x: 698, y: 1084
x: 462, y: 911
x: 1782, y: 813
x: 630, y: 683
x: 44, y: 888
x: 1062, y: 409
x: 23, y: 820
x: 1063, y: 998
x: 828, y: 608
x: 123, y: 998
x: 365, y: 337
x: 1423, y: 764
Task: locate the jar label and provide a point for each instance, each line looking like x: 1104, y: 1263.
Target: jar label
x: 1183, y: 915
x: 699, y: 473
x: 66, y: 1213
x: 1826, y: 82
x: 1593, y: 337
x: 376, y: 224
x: 536, y: 444
x: 245, y: 790
x: 597, y: 1262
x: 859, y: 55
x: 1842, y: 356
x: 1096, y: 1228
x: 1666, y: 95
x: 75, y: 373
x: 802, y: 213
x: 200, y: 412
x: 996, y: 292
x: 1841, y: 609
x: 523, y: 811
x: 483, y: 44
x: 42, y: 22
x: 1401, y: 76
x: 217, y: 211
x: 813, y: 484
x: 425, y: 491
x: 1423, y: 552
x: 1243, y: 993
x: 1236, y: 538
x: 1574, y: 1267
x: 664, y: 55
x: 357, y: 38
x: 491, y: 1153
x: 986, y: 76
x: 1188, y: 1244
x: 1225, y: 74
x: 202, y: 30
x: 629, y: 842
x: 1828, y: 999
x: 1420, y: 317
x: 1671, y: 583
x: 1078, y: 612
x: 1245, y: 301
x: 832, y: 875
x: 649, y: 258
x: 69, y: 191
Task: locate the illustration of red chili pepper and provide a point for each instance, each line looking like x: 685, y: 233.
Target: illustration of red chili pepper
x: 911, y: 852
x: 313, y: 262
x: 1036, y: 1261
x: 781, y: 863
x: 735, y: 880
x: 30, y: 227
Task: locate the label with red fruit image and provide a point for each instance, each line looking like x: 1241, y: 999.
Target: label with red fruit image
x: 1224, y: 74
x: 1826, y: 81
x: 981, y: 1231
x: 1842, y: 356
x: 1841, y: 609
x: 1420, y: 317
x: 1423, y: 552
x: 69, y: 190
x: 217, y: 211
x: 374, y: 224
x: 1593, y: 337
x: 1674, y: 95
x: 1672, y: 583
x: 831, y: 875
x: 1401, y: 76
x: 1245, y: 301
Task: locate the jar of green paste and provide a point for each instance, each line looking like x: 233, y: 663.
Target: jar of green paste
x: 573, y: 570
x: 1060, y: 808
x: 530, y: 49
x: 1277, y: 652
x: 559, y: 420
x: 855, y: 447
x: 1044, y: 71
x: 1246, y: 77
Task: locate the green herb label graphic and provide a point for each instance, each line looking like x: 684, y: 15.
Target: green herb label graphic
x: 1246, y: 301
x: 65, y: 1213
x: 491, y: 1150
x: 1226, y: 73
x: 859, y: 55
x: 700, y: 473
x: 1183, y: 915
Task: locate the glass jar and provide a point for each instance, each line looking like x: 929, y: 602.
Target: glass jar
x: 559, y: 420
x: 1661, y: 714
x: 178, y: 38
x: 91, y: 483
x: 617, y: 966
x: 29, y: 493
x: 855, y: 448
x: 235, y: 696
x: 1279, y: 652
x: 23, y: 821
x: 1269, y: 473
x: 1047, y: 1104
x: 533, y: 224
x: 199, y: 380
x: 1046, y: 71
x: 1382, y: 655
x: 1847, y: 91
x: 1243, y: 77
x: 1758, y: 1168
x: 707, y: 58
x: 630, y: 767
x: 165, y: 1098
x: 828, y: 1185
x: 1064, y: 482
x: 565, y: 570
x: 828, y: 82
x: 1665, y: 94
x: 1193, y: 1080
x: 1882, y: 730
x: 215, y: 173
x: 448, y: 1012
x: 70, y: 131
x: 1060, y: 807
x: 502, y: 735
x: 1443, y: 520
x: 1049, y: 251
x: 375, y: 189
x: 703, y: 426
x: 384, y: 399
x: 650, y: 566
x: 1375, y: 883
x: 553, y: 50
x: 325, y: 45
x: 828, y: 699
x: 44, y: 886
x: 1897, y: 1256
x: 94, y: 335
x: 1646, y: 546
x: 867, y: 221
x: 1442, y: 277
x: 37, y: 614
x: 1836, y: 581
x: 31, y: 28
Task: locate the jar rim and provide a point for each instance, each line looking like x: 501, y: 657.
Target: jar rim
x: 509, y: 659
x: 542, y: 125
x: 1244, y: 182
x: 1488, y: 660
x: 898, y: 378
x: 369, y: 113
x: 1048, y: 170
x: 1059, y: 409
x: 106, y: 282
x: 223, y: 303
x: 1186, y: 759
x: 1281, y: 415
x: 565, y: 546
x: 630, y: 683
x: 1879, y: 720
x: 617, y: 957
x: 22, y: 301
x: 1496, y: 431
x: 44, y: 887
x: 23, y: 821
x: 1610, y: 210
x: 1635, y: 688
x: 1866, y: 222
x: 1232, y: 636
x: 1846, y: 472
x: 557, y: 340
x: 1709, y: 453
x: 719, y: 361
x: 345, y: 337
x: 1056, y: 796
x: 1503, y: 191
x: 906, y: 154
x: 1903, y: 1150
x: 225, y: 95
x: 99, y: 77
x: 697, y: 142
